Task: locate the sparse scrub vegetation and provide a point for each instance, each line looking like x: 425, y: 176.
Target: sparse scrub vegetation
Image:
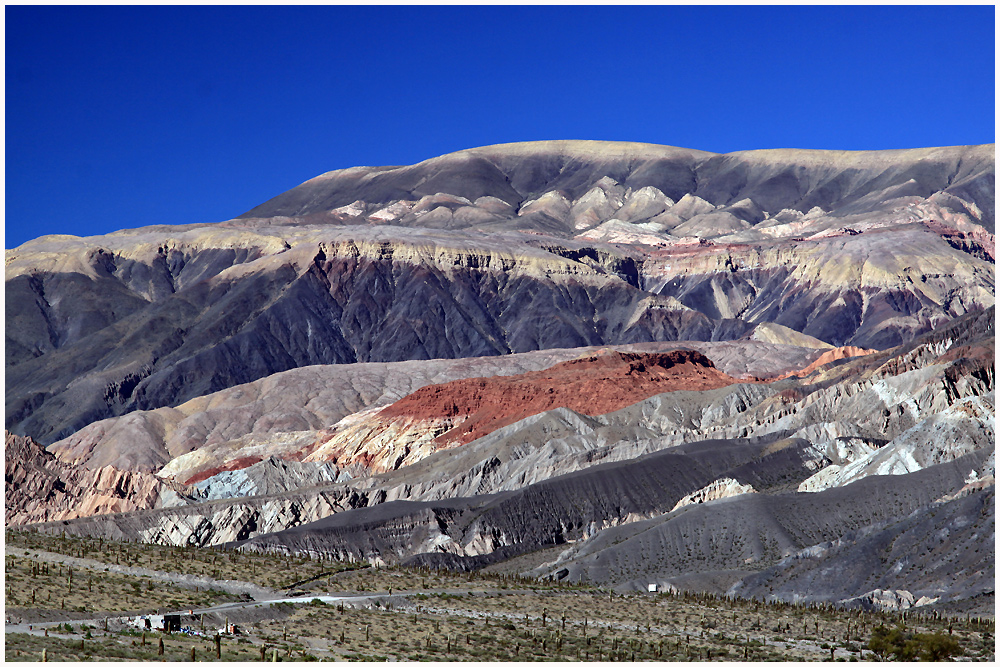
x: 444, y: 616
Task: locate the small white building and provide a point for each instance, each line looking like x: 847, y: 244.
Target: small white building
x: 162, y: 622
x: 652, y: 588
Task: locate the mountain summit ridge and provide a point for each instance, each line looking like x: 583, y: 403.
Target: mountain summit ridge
x: 517, y: 172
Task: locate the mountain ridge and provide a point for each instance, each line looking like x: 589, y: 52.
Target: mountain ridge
x: 673, y: 170
x: 566, y: 359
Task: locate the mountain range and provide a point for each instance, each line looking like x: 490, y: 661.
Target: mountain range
x: 760, y: 373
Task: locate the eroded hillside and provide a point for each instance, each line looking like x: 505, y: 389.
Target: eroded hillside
x: 769, y: 373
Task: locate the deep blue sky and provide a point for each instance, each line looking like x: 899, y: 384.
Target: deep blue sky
x: 127, y: 116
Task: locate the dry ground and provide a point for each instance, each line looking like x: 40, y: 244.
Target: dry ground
x: 433, y: 616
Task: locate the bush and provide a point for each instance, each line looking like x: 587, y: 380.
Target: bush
x: 906, y: 646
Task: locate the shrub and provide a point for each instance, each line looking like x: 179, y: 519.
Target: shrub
x: 907, y: 646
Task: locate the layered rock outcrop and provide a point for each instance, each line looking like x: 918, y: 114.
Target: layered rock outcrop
x: 40, y: 488
x: 862, y: 249
x: 505, y: 350
x: 456, y: 413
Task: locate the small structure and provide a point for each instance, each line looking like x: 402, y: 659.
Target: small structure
x: 652, y: 588
x: 162, y: 622
x: 230, y: 629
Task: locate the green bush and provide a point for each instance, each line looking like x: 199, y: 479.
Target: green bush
x: 906, y: 646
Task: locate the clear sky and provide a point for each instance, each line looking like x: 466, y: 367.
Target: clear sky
x: 121, y: 117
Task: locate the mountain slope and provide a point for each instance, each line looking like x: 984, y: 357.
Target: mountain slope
x: 768, y: 372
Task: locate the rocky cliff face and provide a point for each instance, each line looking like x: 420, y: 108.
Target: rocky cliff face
x: 40, y: 488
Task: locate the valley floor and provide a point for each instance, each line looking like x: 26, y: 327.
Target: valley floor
x: 320, y: 610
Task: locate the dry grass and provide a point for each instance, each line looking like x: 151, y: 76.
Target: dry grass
x: 126, y: 646
x: 446, y: 616
x: 274, y: 571
x: 33, y: 584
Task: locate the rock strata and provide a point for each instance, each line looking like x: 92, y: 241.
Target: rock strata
x: 504, y: 352
x: 456, y: 413
x: 40, y: 488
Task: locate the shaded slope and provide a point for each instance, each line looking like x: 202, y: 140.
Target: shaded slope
x: 564, y: 508
x: 946, y: 550
x: 754, y: 531
x: 350, y: 302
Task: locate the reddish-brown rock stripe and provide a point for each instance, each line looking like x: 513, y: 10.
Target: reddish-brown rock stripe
x: 593, y: 385
x: 235, y: 464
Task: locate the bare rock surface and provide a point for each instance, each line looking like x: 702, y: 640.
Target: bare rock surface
x: 40, y: 488
x: 751, y: 530
x: 724, y: 487
x: 255, y: 414
x: 963, y: 427
x: 282, y: 415
x: 471, y: 254
x: 443, y: 416
x: 561, y: 444
x: 473, y: 349
x: 773, y: 179
x: 618, y: 520
x: 941, y: 552
x: 265, y: 478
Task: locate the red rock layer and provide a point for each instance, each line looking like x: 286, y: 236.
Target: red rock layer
x: 40, y: 488
x: 592, y: 385
x: 235, y: 464
x: 975, y: 240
